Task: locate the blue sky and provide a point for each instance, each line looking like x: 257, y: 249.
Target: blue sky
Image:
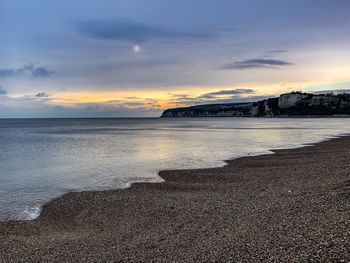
x: 136, y: 58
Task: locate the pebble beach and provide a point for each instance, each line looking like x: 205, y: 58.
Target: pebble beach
x: 290, y: 206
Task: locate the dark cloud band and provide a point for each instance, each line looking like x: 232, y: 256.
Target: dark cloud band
x: 221, y: 96
x: 232, y: 92
x: 42, y: 95
x: 126, y: 30
x: 3, y: 91
x: 257, y: 63
x: 26, y: 70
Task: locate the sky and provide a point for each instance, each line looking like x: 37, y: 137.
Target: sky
x: 129, y: 58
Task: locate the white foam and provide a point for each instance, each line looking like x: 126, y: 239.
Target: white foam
x: 31, y: 213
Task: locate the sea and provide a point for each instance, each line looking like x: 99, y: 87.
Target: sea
x: 41, y: 159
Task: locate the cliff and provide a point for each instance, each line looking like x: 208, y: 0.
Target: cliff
x: 211, y: 110
x: 289, y: 104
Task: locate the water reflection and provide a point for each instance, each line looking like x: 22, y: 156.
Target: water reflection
x: 41, y: 159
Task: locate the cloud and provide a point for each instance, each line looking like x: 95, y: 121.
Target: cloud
x: 41, y: 72
x: 31, y: 106
x: 338, y: 86
x: 232, y: 92
x: 221, y: 96
x: 130, y: 31
x: 42, y: 95
x: 2, y: 91
x: 26, y: 70
x: 257, y: 63
x: 276, y: 51
x: 43, y: 105
x: 190, y: 101
x: 335, y: 91
x: 221, y: 93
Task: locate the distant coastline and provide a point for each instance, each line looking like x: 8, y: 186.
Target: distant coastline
x: 294, y: 104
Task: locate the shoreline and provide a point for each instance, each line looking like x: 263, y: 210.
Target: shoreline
x: 130, y: 184
x: 38, y: 209
x: 265, y: 117
x: 203, y: 214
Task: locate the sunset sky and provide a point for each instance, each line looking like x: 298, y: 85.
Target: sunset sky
x: 122, y: 58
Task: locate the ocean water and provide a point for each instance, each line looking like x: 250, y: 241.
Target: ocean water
x: 41, y: 159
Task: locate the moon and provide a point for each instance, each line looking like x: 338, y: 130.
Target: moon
x: 137, y: 49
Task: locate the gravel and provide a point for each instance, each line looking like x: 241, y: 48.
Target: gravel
x: 291, y: 206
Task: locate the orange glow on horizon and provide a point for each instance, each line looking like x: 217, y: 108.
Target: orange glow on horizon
x: 163, y: 99
x: 170, y: 97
